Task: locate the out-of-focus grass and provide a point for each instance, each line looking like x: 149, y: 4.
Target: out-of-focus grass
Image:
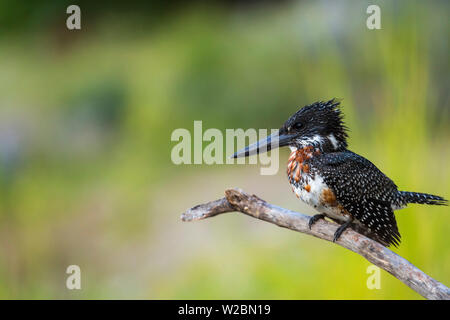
x: 86, y: 176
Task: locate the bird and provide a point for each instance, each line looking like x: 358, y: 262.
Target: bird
x: 339, y: 184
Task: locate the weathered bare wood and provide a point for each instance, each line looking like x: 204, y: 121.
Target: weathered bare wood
x: 238, y: 200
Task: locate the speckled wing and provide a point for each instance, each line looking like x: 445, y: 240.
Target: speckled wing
x: 364, y: 191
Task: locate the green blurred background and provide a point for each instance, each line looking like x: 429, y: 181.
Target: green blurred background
x: 86, y: 118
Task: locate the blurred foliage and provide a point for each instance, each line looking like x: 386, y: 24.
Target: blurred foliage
x: 85, y: 124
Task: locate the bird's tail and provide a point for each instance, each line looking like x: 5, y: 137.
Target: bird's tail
x: 422, y: 198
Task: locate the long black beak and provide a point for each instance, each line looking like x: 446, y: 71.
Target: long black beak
x: 271, y: 142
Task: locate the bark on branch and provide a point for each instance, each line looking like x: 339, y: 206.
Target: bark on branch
x: 238, y: 200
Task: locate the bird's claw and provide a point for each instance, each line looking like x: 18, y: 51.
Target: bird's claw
x: 340, y: 230
x: 314, y: 219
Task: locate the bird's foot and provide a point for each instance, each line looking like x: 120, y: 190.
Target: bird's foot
x: 314, y: 219
x: 340, y: 230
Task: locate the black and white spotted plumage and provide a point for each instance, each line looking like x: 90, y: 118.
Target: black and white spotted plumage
x: 363, y: 190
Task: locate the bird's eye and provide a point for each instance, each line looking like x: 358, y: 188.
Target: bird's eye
x: 297, y: 125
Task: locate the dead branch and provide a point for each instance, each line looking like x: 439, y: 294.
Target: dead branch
x: 238, y: 200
